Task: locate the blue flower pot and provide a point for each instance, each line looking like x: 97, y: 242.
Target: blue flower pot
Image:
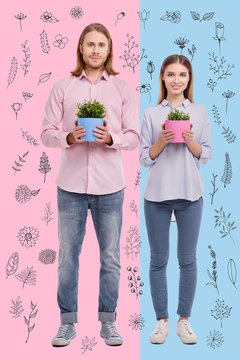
x: 89, y: 124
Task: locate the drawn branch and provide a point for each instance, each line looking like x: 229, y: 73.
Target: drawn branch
x: 213, y: 274
x: 44, y: 167
x: 227, y: 174
x: 213, y: 182
x: 26, y: 60
x: 31, y: 140
x: 47, y: 217
x: 12, y: 264
x: 44, y: 42
x: 19, y: 163
x: 88, y: 344
x: 133, y: 207
x: 133, y: 242
x: 134, y: 283
x: 16, y: 308
x: 224, y: 221
x: 27, y: 276
x: 33, y: 314
x: 131, y: 60
x: 13, y: 71
x: 221, y: 311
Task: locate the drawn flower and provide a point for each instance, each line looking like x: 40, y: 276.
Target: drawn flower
x: 28, y: 236
x: 76, y: 12
x: 20, y: 17
x: 150, y: 68
x: 48, y: 17
x: 27, y: 95
x: 47, y: 256
x: 145, y: 88
x: 214, y: 339
x: 181, y: 42
x: 211, y: 84
x: 136, y: 322
x: 144, y: 16
x: 120, y: 16
x: 16, y: 107
x: 228, y: 94
x: 24, y: 194
x: 173, y: 17
x: 60, y: 41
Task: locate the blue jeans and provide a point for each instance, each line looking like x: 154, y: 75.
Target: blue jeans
x: 158, y: 217
x: 106, y: 213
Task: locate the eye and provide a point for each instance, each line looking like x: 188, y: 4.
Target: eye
x: 183, y: 75
x: 170, y: 75
x: 102, y: 45
x: 90, y: 44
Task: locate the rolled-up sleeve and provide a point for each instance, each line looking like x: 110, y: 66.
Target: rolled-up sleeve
x: 145, y: 143
x: 52, y: 135
x: 205, y: 140
x: 128, y: 139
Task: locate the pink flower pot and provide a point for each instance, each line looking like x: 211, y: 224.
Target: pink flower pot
x: 178, y: 126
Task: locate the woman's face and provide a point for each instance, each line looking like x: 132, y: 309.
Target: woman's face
x: 175, y: 77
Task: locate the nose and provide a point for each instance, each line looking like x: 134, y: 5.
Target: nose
x: 95, y: 49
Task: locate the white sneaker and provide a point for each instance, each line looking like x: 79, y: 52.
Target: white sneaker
x: 185, y: 332
x: 160, y: 333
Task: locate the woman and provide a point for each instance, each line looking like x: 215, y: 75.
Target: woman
x: 174, y: 184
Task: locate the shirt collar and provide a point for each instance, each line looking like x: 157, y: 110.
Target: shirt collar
x: 104, y: 75
x: 185, y: 103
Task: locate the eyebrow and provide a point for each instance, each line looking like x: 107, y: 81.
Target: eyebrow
x: 172, y: 72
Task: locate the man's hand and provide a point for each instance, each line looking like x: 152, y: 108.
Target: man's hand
x: 75, y: 136
x: 102, y: 134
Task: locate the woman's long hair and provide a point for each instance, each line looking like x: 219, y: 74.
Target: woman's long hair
x: 108, y: 63
x: 172, y: 59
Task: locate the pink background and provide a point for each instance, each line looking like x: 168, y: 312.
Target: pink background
x: 15, y: 215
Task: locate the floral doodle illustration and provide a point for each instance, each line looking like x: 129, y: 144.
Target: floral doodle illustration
x: 135, y: 283
x: 20, y: 17
x: 219, y: 34
x: 215, y: 339
x: 181, y: 42
x: 232, y: 272
x: 16, y: 308
x: 27, y: 321
x: 206, y: 17
x: 172, y: 16
x: 145, y: 88
x: 48, y: 17
x: 130, y: 58
x: 13, y: 71
x: 44, y: 42
x: 213, y: 182
x: 150, y: 68
x: 133, y: 207
x: 120, y: 16
x: 137, y: 179
x: 132, y: 242
x: 16, y: 107
x: 213, y: 276
x: 221, y: 311
x: 24, y: 194
x: 88, y: 344
x: 224, y: 221
x: 136, y: 322
x: 76, y: 13
x: 27, y: 95
x: 31, y: 140
x: 12, y: 264
x: 47, y: 256
x: 60, y: 41
x: 27, y: 276
x: 44, y: 77
x: 26, y: 60
x: 227, y: 174
x: 44, y: 166
x: 48, y: 213
x: 228, y: 95
x: 218, y: 68
x: 28, y: 236
x: 144, y: 16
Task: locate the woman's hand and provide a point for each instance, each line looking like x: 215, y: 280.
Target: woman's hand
x: 166, y: 135
x: 188, y: 135
x: 165, y: 138
x: 193, y: 146
x: 102, y: 134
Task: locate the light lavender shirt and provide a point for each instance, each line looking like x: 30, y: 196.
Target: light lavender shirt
x: 175, y: 173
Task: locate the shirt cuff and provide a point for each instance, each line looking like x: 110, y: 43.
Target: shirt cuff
x: 63, y: 140
x: 204, y: 155
x: 116, y: 142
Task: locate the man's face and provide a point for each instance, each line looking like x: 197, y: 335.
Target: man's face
x: 94, y: 49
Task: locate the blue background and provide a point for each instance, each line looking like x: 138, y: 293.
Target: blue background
x: 158, y: 40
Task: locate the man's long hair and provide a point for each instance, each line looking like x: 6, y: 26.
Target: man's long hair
x: 172, y: 59
x: 108, y: 63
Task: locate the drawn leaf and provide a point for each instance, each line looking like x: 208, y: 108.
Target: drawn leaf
x: 12, y: 264
x: 232, y: 271
x: 31, y: 328
x: 44, y: 77
x: 33, y: 306
x: 195, y: 15
x: 34, y: 314
x: 210, y: 275
x: 44, y: 42
x: 27, y: 276
x: 211, y: 283
x: 35, y: 192
x: 208, y: 16
x: 13, y: 70
x: 26, y: 320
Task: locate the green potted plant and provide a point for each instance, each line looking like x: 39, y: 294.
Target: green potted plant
x: 178, y: 121
x: 90, y: 114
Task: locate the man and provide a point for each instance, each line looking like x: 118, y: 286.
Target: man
x: 90, y: 175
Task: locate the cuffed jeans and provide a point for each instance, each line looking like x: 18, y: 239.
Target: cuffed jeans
x: 158, y: 217
x: 106, y: 213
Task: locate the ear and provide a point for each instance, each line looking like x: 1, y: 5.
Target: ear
x: 81, y: 48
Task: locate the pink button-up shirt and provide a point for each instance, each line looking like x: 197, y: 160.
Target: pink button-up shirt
x: 91, y: 167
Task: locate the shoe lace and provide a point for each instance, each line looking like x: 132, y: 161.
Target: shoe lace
x: 188, y: 327
x: 159, y: 327
x: 62, y: 331
x: 112, y: 329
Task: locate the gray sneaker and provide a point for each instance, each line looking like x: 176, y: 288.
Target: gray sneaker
x: 110, y: 334
x: 66, y: 333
